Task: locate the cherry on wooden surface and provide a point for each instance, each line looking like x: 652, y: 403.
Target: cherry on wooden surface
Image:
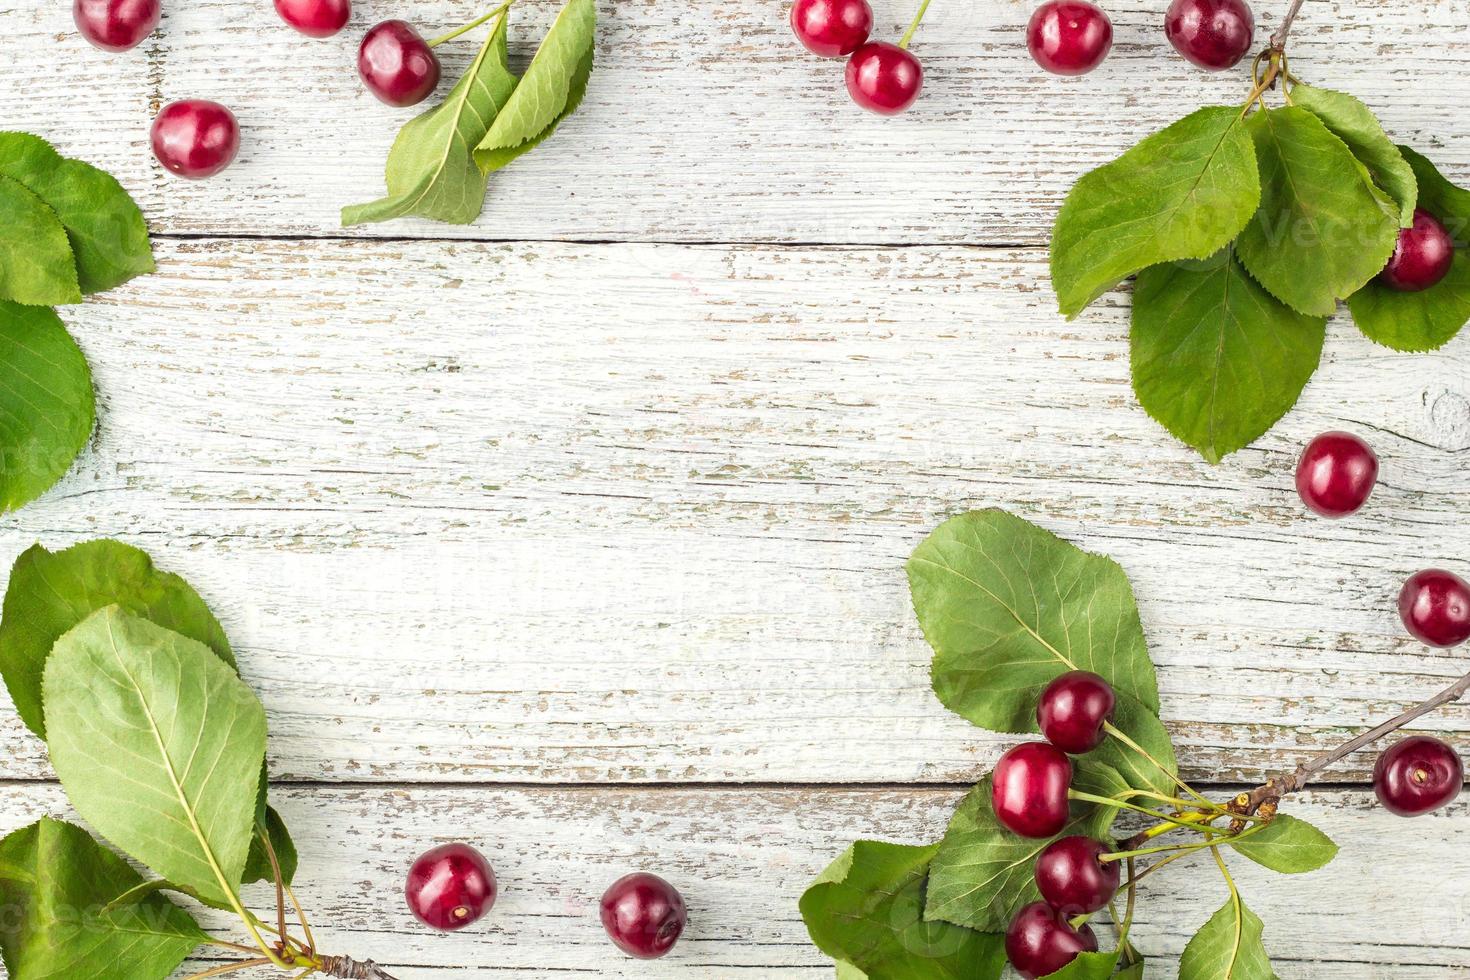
x: 450, y: 887
x: 1069, y: 37
x: 832, y: 28
x: 1418, y: 775
x: 315, y: 18
x: 884, y: 78
x: 195, y: 138
x: 1336, y: 474
x: 1211, y: 34
x: 397, y: 65
x: 644, y: 915
x: 1435, y: 607
x: 116, y: 25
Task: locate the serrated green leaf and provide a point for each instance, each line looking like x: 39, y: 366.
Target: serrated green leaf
x: 36, y: 263
x: 1228, y: 947
x: 108, y: 235
x: 1419, y: 321
x: 50, y: 593
x: 1217, y: 360
x: 551, y: 89
x: 46, y: 402
x: 1288, y: 845
x: 983, y: 874
x: 866, y: 912
x: 159, y: 746
x: 57, y: 886
x: 1182, y: 193
x: 1323, y: 228
x: 270, y: 825
x: 1354, y: 123
x: 431, y: 170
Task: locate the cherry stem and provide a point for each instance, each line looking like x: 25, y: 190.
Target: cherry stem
x: 1277, y: 787
x: 471, y: 25
x: 1076, y: 794
x: 1117, y: 733
x: 1278, y: 40
x: 914, y: 27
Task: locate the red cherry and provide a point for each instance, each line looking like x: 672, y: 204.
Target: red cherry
x: 116, y: 25
x: 1073, y: 710
x: 1212, y: 34
x: 450, y: 886
x: 1029, y: 789
x: 1040, y: 941
x: 1073, y: 880
x: 832, y: 28
x: 1418, y: 775
x: 1435, y: 607
x: 643, y: 915
x: 195, y: 138
x: 1423, y: 256
x: 1069, y: 37
x: 315, y: 18
x: 1336, y: 474
x: 397, y: 64
x: 884, y: 78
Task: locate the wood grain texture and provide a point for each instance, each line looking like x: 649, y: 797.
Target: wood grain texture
x: 559, y: 513
x: 705, y: 121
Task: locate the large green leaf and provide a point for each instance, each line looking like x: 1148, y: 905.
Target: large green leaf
x: 1217, y: 360
x: 1288, y: 845
x: 983, y: 874
x: 1228, y: 947
x: 1182, y: 193
x: 550, y: 90
x: 1324, y: 228
x: 431, y: 169
x: 107, y: 232
x: 1354, y: 123
x: 46, y: 402
x: 866, y: 912
x: 159, y: 746
x: 57, y: 886
x: 36, y: 263
x: 49, y: 593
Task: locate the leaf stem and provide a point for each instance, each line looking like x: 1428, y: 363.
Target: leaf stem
x: 471, y: 25
x: 914, y: 27
x: 1077, y: 794
x: 225, y: 944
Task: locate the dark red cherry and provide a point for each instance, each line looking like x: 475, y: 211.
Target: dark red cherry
x: 1073, y: 709
x: 1040, y: 941
x: 450, y: 886
x: 195, y: 138
x: 116, y: 25
x: 1069, y: 37
x: 1423, y: 256
x: 1336, y: 474
x: 1029, y: 789
x: 643, y: 915
x: 397, y: 64
x: 832, y: 28
x: 1072, y: 879
x: 1212, y: 34
x: 884, y: 78
x: 1435, y: 607
x: 315, y: 18
x: 1418, y: 775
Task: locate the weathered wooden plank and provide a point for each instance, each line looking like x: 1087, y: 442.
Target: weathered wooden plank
x: 561, y: 513
x: 705, y: 121
x: 1392, y: 906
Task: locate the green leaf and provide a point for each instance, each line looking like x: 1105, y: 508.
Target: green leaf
x: 1448, y: 203
x: 57, y: 885
x: 983, y: 874
x: 1217, y: 360
x: 36, y: 263
x: 431, y: 169
x: 1324, y: 228
x: 1134, y: 972
x: 866, y: 912
x: 1148, y: 733
x: 1182, y: 193
x: 1288, y: 845
x: 258, y: 865
x: 49, y: 593
x: 1228, y: 947
x: 551, y: 89
x: 1354, y: 123
x: 1088, y: 966
x: 46, y: 402
x: 159, y: 746
x: 108, y: 235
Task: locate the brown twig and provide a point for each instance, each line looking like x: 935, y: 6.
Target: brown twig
x: 346, y: 968
x: 1278, y: 40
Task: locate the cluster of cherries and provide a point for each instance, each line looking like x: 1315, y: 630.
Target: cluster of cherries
x: 881, y: 77
x: 1072, y: 37
x: 451, y: 886
x: 197, y: 138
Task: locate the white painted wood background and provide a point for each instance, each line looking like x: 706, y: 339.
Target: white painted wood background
x: 578, y: 532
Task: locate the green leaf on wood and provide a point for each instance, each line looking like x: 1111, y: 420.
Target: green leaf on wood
x: 1288, y: 845
x: 57, y: 886
x: 159, y: 746
x: 1217, y: 360
x: 46, y: 402
x: 431, y: 169
x: 1323, y: 228
x: 866, y: 912
x: 1354, y: 123
x: 36, y: 263
x: 1228, y: 947
x: 1182, y: 193
x: 551, y: 89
